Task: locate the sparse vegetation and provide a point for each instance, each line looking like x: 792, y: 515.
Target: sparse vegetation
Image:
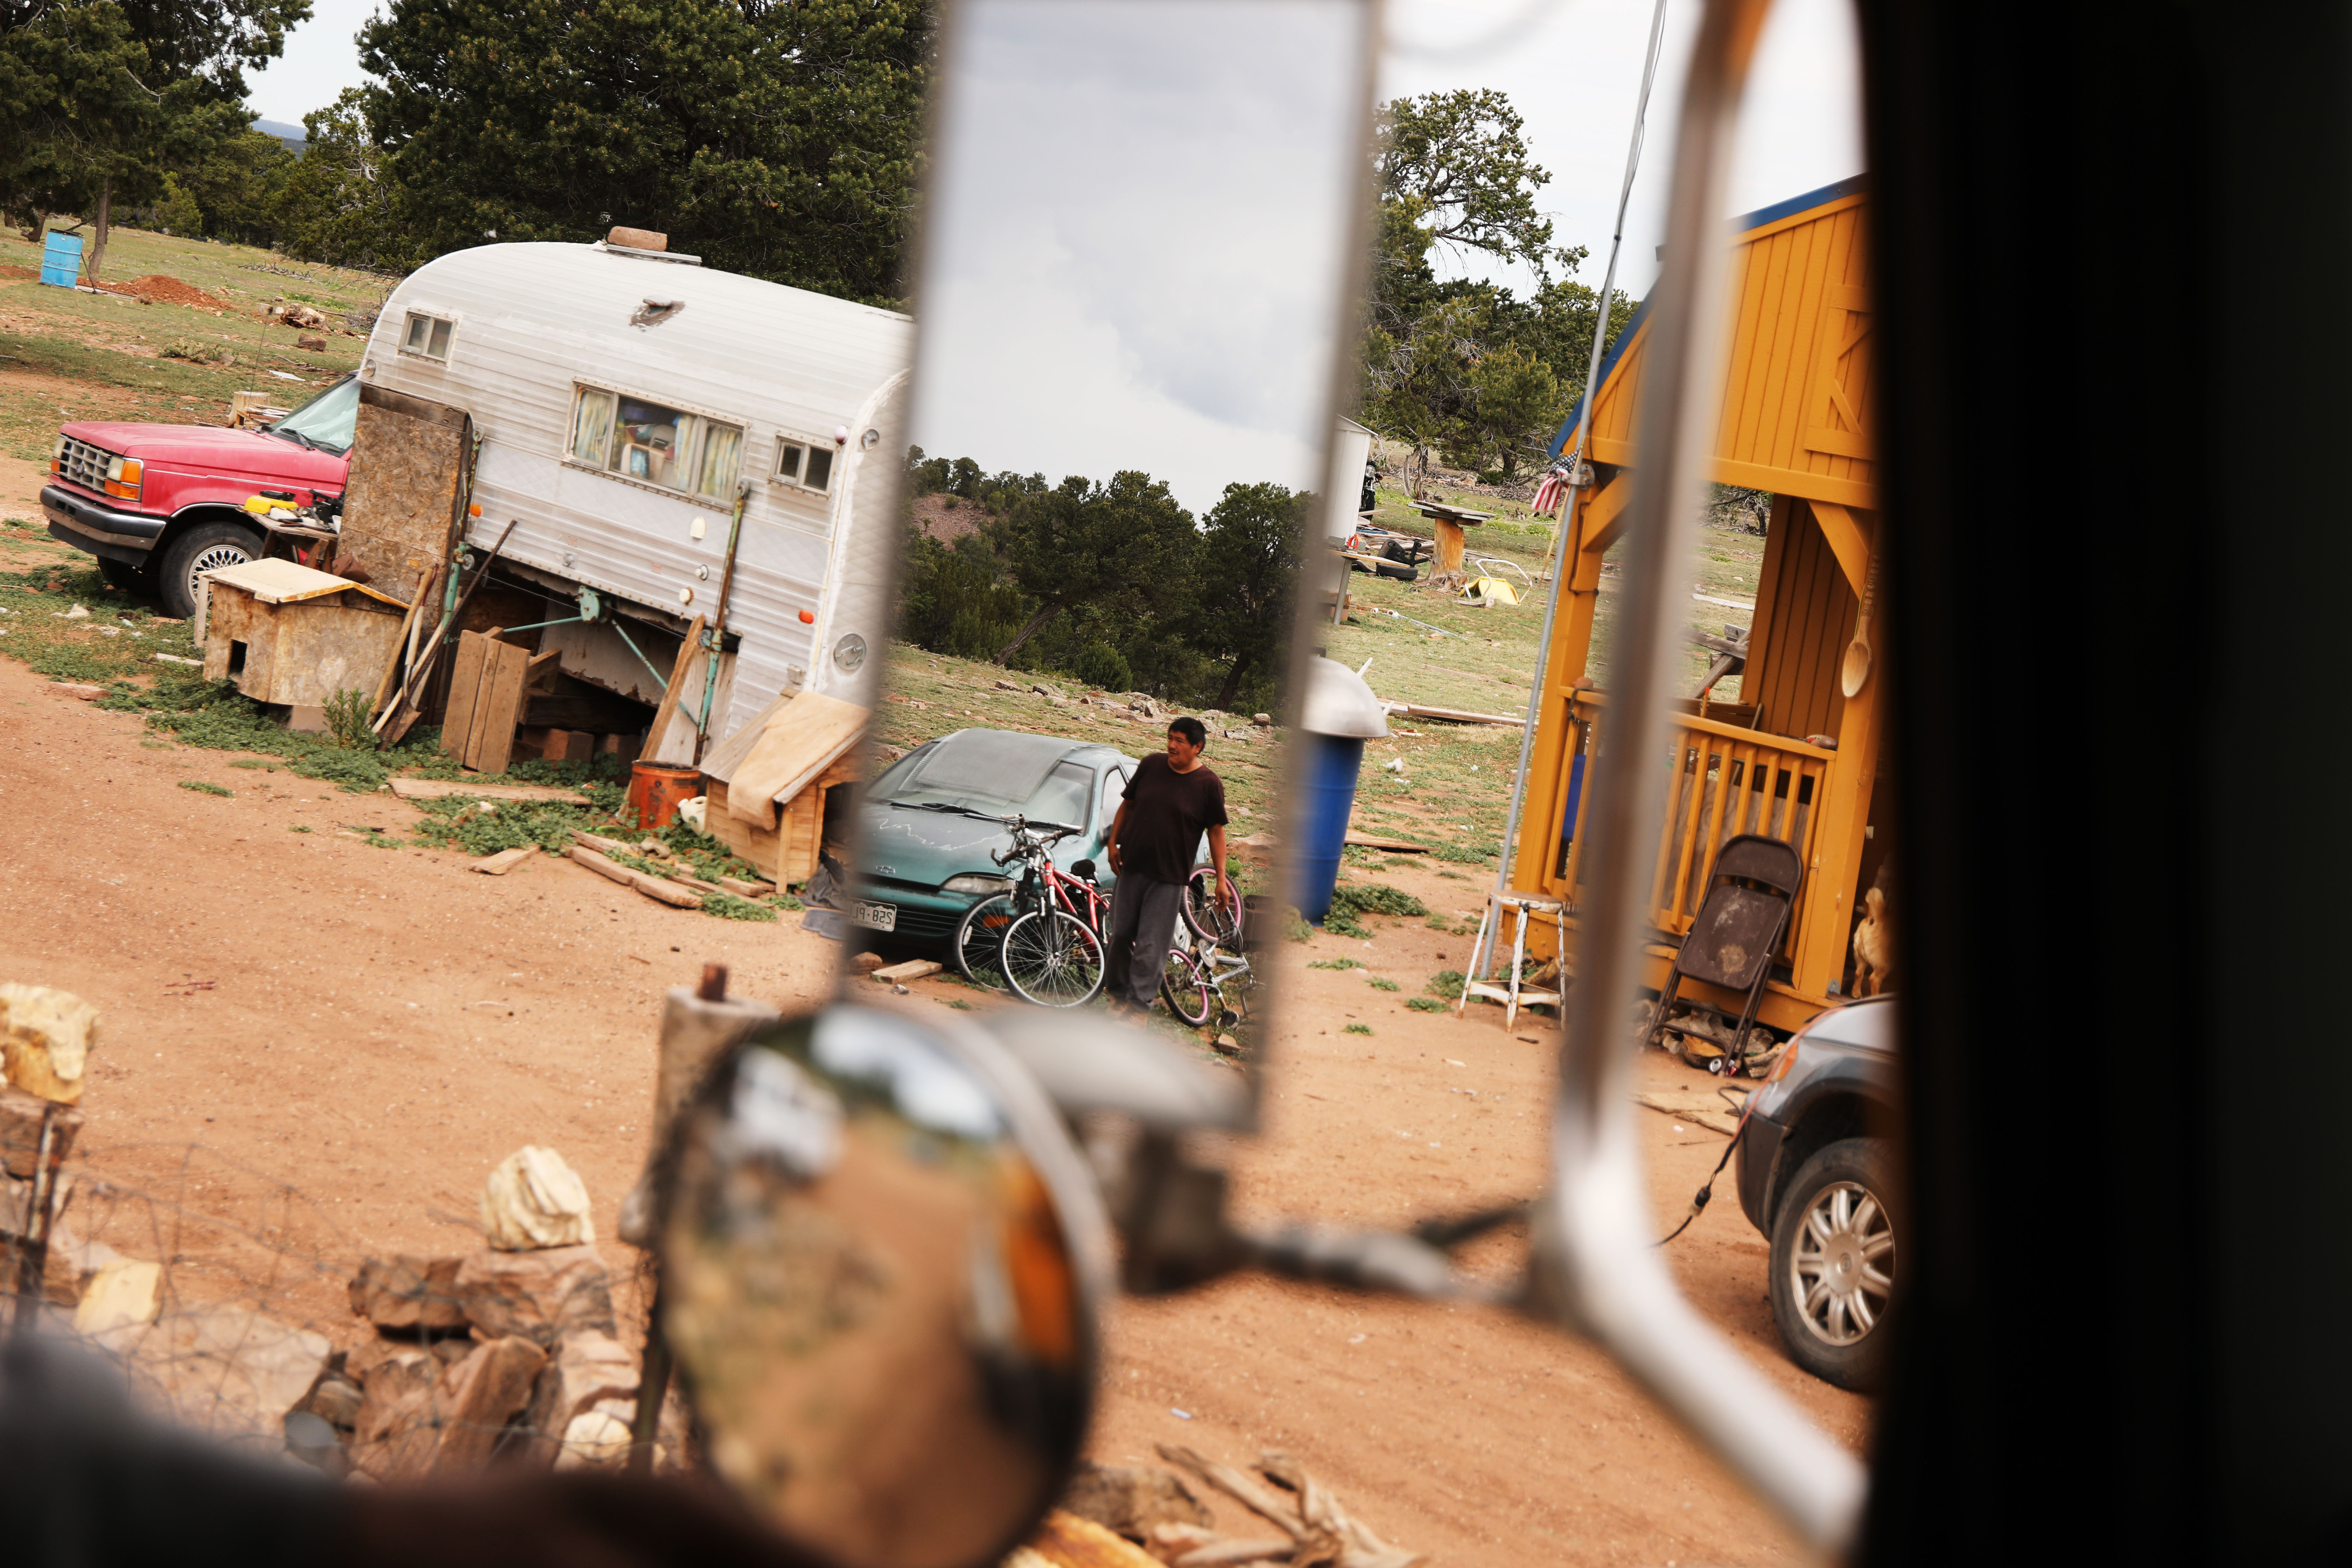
x: 206, y: 786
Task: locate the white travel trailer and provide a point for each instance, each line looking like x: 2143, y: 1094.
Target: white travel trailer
x: 623, y: 398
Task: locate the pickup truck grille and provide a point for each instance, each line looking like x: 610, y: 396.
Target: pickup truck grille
x: 80, y: 463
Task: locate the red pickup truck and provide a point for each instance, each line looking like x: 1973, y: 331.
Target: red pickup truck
x: 157, y: 504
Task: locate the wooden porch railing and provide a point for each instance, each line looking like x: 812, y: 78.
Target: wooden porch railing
x: 1719, y: 780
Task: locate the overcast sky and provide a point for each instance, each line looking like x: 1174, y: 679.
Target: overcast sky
x: 1140, y: 209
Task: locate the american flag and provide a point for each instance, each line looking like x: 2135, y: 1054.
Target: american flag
x: 1552, y: 491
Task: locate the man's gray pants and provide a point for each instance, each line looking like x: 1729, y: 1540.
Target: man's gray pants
x: 1143, y: 916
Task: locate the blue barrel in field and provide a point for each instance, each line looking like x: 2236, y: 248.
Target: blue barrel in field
x: 1341, y: 715
x: 60, y: 259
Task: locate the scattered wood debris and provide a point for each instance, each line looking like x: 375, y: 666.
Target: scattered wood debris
x: 1321, y: 1534
x: 504, y: 861
x: 899, y: 973
x: 658, y: 887
x: 442, y: 789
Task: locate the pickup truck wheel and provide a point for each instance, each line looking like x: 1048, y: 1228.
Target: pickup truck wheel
x: 1832, y: 1265
x: 206, y: 547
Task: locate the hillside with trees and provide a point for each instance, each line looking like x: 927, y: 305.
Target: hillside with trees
x: 1111, y: 583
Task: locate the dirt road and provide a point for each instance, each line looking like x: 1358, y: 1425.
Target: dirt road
x: 376, y: 1027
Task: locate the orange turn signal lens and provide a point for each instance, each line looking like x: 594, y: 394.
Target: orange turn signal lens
x: 123, y: 476
x: 808, y: 617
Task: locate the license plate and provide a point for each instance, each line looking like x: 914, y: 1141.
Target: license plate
x: 874, y: 917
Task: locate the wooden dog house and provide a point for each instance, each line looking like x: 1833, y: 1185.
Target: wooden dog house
x: 1795, y: 422
x: 775, y: 786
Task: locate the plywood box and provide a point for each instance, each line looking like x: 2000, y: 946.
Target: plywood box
x: 289, y: 633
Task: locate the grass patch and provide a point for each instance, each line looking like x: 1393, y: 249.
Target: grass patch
x: 1381, y: 982
x: 204, y: 786
x: 727, y: 907
x: 1424, y: 1004
x: 1355, y: 899
x: 1357, y: 1029
x: 1446, y: 983
x: 1335, y: 963
x: 297, y: 828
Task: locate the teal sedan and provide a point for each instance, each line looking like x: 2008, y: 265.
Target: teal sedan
x: 926, y: 856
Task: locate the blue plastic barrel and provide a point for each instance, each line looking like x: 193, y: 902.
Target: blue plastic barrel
x: 60, y: 259
x: 1328, y: 780
x: 1340, y: 714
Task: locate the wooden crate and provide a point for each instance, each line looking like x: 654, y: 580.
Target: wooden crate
x: 487, y: 684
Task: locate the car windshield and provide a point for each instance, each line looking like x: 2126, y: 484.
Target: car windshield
x: 326, y: 421
x: 940, y: 776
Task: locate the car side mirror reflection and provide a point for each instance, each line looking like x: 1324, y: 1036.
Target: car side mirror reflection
x: 881, y: 1263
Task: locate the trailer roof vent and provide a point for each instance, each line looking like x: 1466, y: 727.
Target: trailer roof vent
x: 645, y: 245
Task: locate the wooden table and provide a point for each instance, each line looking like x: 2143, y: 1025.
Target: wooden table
x: 1450, y: 520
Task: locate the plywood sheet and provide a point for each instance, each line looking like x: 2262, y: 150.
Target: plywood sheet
x: 500, y: 709
x: 408, y: 461
x: 464, y: 685
x: 805, y: 737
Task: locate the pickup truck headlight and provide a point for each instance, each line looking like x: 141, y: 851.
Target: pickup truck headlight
x: 977, y: 884
x: 58, y: 455
x: 124, y: 477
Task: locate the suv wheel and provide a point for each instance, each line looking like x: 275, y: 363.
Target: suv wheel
x: 206, y: 547
x: 1833, y: 1247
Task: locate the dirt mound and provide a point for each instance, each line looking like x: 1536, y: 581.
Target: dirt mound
x: 19, y: 272
x: 159, y: 289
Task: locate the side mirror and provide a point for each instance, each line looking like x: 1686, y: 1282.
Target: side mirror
x: 881, y: 1266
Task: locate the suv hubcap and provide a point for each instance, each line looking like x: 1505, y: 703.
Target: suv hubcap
x: 1843, y: 1265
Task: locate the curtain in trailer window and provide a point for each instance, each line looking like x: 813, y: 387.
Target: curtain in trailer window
x: 723, y: 449
x: 591, y: 426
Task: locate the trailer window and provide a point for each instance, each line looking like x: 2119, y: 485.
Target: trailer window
x: 804, y: 464
x: 428, y: 336
x: 658, y: 445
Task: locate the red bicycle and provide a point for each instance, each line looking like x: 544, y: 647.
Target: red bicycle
x: 1042, y: 938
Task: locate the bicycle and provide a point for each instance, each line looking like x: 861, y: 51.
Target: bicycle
x: 1041, y: 940
x: 1201, y: 981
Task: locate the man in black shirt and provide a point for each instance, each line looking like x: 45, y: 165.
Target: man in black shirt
x: 1169, y: 803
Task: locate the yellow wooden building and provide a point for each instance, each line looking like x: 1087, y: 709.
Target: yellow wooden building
x: 1794, y: 421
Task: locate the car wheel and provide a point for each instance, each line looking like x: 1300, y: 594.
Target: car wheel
x: 129, y: 579
x: 1833, y: 1250
x: 206, y: 547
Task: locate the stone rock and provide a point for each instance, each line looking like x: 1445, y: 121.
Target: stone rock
x: 1131, y: 1500
x: 866, y: 963
x: 541, y: 1296
x: 587, y: 1369
x: 1262, y: 721
x: 126, y: 1291
x: 1006, y: 686
x: 408, y: 1292
x: 311, y: 341
x: 20, y: 1130
x: 480, y: 1395
x: 534, y: 1200
x: 393, y: 1435
x: 596, y: 1437
x: 336, y: 1401
x: 48, y: 1035
x: 225, y: 1371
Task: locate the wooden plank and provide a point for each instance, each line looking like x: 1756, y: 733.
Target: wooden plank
x: 464, y: 685
x: 654, y: 887
x: 443, y: 789
x: 504, y: 861
x: 499, y: 711
x: 899, y: 973
x: 662, y: 715
x: 1374, y: 841
x: 1457, y: 715
x: 1847, y: 539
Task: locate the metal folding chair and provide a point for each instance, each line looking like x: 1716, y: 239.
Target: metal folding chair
x: 1750, y: 894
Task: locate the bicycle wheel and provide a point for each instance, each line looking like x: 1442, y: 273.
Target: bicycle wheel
x: 1211, y: 919
x: 978, y: 943
x: 1186, y: 988
x: 1051, y: 958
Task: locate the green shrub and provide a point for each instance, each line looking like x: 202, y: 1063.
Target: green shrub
x: 1381, y: 982
x: 1424, y: 1004
x: 1334, y: 964
x: 727, y: 907
x: 1355, y: 898
x: 347, y: 712
x: 203, y: 786
x: 1358, y: 1030
x: 1446, y: 983
x: 1103, y: 667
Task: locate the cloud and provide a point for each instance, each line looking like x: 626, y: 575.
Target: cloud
x: 1139, y: 239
